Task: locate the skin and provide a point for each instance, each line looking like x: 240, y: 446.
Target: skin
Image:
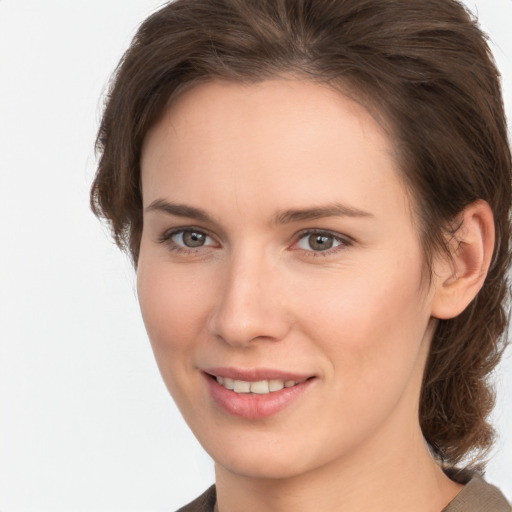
x: 358, y: 317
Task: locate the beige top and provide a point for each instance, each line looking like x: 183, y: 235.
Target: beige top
x: 476, y: 496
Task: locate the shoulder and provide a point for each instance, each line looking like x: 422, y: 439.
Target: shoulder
x: 204, y: 503
x: 477, y: 495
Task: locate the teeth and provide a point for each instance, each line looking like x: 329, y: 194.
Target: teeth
x: 242, y: 386
x: 261, y: 387
x: 275, y: 385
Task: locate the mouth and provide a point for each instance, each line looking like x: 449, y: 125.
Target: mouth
x: 255, y: 394
x: 258, y: 387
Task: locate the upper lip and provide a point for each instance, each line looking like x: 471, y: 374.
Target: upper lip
x: 256, y: 374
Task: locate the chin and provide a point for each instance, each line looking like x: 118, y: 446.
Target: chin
x: 261, y: 467
x: 272, y: 459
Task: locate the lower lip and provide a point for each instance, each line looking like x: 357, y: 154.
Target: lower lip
x: 252, y: 406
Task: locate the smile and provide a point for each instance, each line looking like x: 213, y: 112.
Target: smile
x: 255, y: 394
x: 260, y: 387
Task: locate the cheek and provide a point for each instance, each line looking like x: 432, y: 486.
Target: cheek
x: 371, y: 323
x: 173, y: 309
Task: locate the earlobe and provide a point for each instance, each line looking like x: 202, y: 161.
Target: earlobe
x: 459, y: 279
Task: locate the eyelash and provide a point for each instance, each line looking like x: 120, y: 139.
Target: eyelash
x: 344, y: 241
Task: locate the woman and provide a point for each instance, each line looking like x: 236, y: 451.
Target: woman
x: 316, y: 197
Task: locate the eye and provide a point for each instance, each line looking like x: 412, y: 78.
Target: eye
x: 320, y: 241
x: 190, y: 238
x: 186, y: 239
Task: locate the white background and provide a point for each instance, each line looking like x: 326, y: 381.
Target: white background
x: 85, y: 421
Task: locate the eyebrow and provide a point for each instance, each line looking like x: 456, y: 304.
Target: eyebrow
x: 179, y: 210
x: 282, y: 217
x: 330, y: 210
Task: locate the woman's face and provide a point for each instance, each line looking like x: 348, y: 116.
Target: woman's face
x: 279, y: 256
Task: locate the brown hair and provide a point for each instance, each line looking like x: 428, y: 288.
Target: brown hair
x: 424, y: 68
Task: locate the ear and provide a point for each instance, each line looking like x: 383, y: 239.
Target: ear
x: 459, y: 279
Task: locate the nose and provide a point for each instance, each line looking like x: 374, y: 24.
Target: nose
x: 251, y: 305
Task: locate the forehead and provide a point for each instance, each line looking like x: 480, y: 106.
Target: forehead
x: 258, y: 113
x: 277, y: 143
